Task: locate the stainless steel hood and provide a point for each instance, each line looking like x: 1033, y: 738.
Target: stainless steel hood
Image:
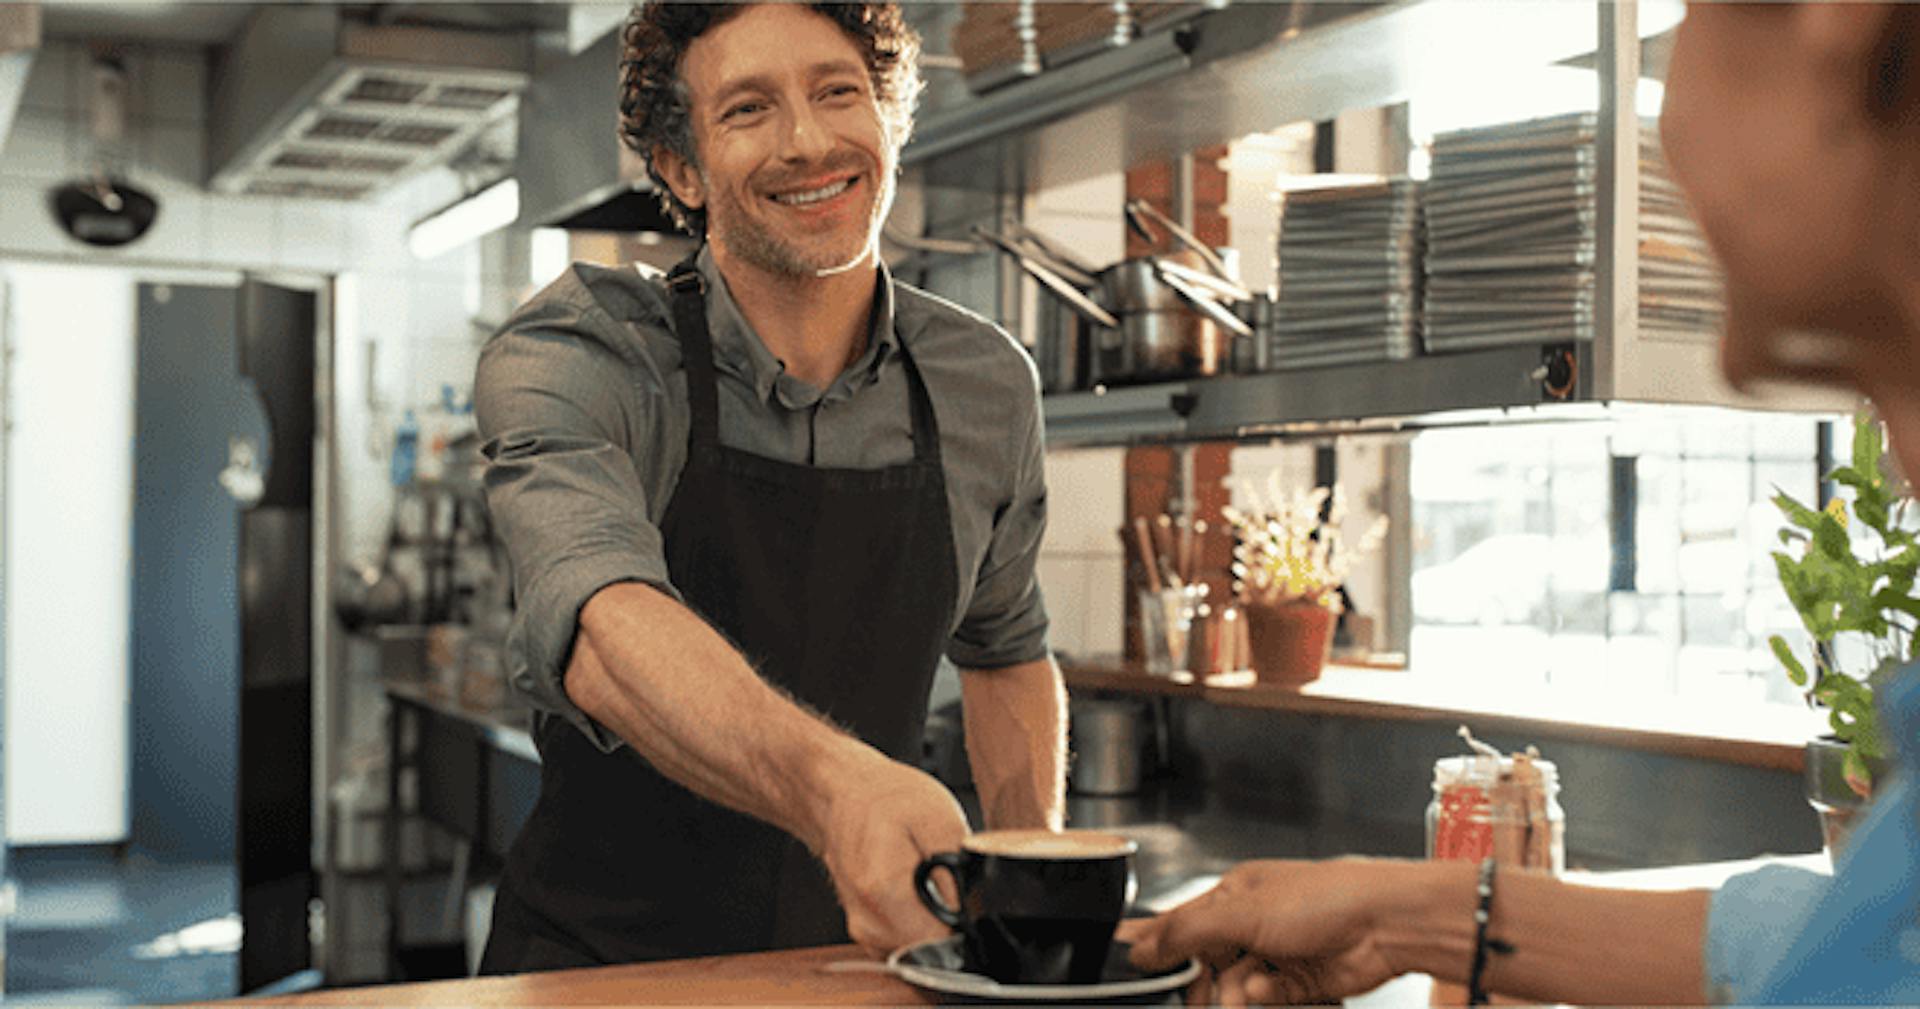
x: 309, y: 101
x: 573, y: 169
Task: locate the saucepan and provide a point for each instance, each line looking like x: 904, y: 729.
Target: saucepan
x: 1153, y: 317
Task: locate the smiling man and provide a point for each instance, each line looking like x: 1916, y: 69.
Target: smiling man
x: 750, y: 505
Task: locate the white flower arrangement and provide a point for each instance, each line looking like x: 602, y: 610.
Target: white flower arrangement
x: 1287, y: 551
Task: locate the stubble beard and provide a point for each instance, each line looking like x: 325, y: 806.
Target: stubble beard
x: 747, y: 237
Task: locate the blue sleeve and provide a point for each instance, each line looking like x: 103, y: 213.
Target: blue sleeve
x: 1750, y: 922
x: 1860, y: 942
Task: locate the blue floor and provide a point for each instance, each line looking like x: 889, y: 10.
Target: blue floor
x: 95, y: 929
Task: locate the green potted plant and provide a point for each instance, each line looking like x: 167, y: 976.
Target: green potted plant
x: 1289, y: 561
x: 1864, y: 591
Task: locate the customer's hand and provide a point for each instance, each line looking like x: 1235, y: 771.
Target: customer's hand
x: 1275, y: 932
x: 884, y: 818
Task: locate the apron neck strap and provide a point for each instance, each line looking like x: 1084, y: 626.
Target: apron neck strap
x: 926, y: 428
x: 696, y: 350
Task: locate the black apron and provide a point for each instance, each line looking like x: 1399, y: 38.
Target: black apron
x: 838, y: 585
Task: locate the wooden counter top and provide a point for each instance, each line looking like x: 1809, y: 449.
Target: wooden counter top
x: 787, y: 977
x: 798, y: 977
x: 1770, y: 737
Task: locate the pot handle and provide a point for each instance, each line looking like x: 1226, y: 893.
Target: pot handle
x: 1186, y: 238
x: 1139, y: 226
x: 1199, y: 300
x: 1075, y: 298
x: 1207, y: 282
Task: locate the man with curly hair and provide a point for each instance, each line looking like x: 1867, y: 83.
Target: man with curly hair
x: 751, y: 505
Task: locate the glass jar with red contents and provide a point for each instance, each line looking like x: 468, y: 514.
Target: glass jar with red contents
x: 1492, y: 804
x: 1505, y: 807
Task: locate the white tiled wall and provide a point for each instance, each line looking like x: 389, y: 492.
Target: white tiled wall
x: 1075, y: 202
x: 1082, y: 569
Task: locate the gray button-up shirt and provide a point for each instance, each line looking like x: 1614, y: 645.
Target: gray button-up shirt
x: 581, y: 401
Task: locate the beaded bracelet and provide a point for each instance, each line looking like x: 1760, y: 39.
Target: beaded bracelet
x: 1476, y: 991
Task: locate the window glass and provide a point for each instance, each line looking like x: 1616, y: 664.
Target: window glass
x: 1518, y: 578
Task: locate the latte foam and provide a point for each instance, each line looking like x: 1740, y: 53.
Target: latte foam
x: 1048, y: 844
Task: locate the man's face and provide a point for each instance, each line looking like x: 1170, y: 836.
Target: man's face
x: 796, y: 167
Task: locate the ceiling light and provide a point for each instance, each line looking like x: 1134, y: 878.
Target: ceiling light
x: 481, y: 213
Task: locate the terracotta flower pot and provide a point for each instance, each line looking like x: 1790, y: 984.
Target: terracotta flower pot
x: 1290, y: 640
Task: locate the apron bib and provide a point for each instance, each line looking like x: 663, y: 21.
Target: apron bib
x: 838, y: 585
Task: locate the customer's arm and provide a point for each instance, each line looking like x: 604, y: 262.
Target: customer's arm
x: 1318, y: 931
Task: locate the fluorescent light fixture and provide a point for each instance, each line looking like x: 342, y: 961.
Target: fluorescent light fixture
x: 484, y: 212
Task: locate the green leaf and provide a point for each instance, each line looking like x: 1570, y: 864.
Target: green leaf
x: 1793, y: 582
x: 1789, y: 536
x: 1859, y: 777
x: 1795, y: 671
x: 1796, y: 513
x: 1852, y: 705
x: 1850, y: 477
x: 1891, y: 598
x: 1873, y: 512
x: 1830, y: 538
x: 1866, y: 442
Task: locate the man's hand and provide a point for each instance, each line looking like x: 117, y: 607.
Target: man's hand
x: 884, y: 818
x: 1288, y: 932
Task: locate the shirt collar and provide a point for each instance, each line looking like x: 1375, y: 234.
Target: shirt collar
x: 738, y: 349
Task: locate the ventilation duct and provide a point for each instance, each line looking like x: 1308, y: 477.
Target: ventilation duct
x: 309, y: 103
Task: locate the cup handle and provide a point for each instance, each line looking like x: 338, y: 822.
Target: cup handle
x: 930, y: 894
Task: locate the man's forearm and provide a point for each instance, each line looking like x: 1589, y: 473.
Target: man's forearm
x: 1016, y: 719
x: 654, y: 673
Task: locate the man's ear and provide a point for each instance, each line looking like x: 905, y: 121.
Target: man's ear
x: 680, y: 176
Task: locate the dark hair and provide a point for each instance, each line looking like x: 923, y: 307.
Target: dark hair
x: 654, y: 105
x: 1893, y: 86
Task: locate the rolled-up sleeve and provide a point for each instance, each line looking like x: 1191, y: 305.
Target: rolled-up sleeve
x: 1006, y: 620
x: 1751, y: 921
x: 554, y: 413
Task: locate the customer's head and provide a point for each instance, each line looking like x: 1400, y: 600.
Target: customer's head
x: 772, y: 129
x: 1795, y: 129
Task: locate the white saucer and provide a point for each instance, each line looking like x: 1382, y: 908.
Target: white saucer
x: 939, y: 967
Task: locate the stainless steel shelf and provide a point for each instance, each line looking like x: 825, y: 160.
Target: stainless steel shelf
x: 1499, y: 384
x: 1252, y: 67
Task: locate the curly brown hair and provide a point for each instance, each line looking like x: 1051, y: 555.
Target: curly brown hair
x: 654, y: 105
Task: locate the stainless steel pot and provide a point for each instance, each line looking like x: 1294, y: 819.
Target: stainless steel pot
x: 1152, y: 322
x: 1109, y: 739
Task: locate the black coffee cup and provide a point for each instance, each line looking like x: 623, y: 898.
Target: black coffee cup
x: 1036, y: 906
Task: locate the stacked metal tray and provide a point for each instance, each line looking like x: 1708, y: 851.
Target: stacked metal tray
x: 1349, y: 261
x: 1682, y: 290
x: 1511, y: 239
